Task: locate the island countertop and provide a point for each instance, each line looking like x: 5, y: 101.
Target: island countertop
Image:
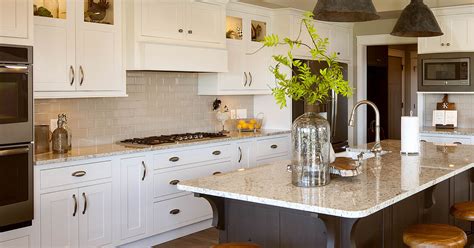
x: 384, y: 182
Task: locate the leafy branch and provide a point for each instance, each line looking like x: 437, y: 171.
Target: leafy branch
x: 303, y: 84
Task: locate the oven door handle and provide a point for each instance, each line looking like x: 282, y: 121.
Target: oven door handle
x: 14, y: 151
x: 13, y: 68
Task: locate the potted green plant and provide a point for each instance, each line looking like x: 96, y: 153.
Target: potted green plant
x: 311, y: 151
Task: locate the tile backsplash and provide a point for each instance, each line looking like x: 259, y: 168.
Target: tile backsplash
x: 157, y: 103
x: 464, y: 106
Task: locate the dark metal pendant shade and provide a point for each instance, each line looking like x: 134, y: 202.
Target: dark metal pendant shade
x: 345, y: 11
x: 417, y: 20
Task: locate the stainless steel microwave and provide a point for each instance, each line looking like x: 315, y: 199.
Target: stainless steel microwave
x: 449, y: 72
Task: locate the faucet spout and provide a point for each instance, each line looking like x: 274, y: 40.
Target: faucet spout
x: 377, y: 148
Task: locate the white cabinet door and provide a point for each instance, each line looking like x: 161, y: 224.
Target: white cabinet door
x: 258, y: 68
x: 133, y: 184
x: 246, y: 154
x: 237, y: 78
x: 59, y: 219
x: 54, y: 52
x: 204, y: 22
x: 163, y: 19
x: 14, y: 18
x: 340, y: 42
x: 95, y: 215
x: 23, y: 242
x: 435, y: 44
x: 98, y: 52
x: 460, y: 33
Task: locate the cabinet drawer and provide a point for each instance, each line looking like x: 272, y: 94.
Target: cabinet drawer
x: 23, y: 242
x: 446, y: 140
x: 165, y: 182
x: 272, y: 147
x: 180, y: 211
x: 75, y: 174
x: 185, y: 157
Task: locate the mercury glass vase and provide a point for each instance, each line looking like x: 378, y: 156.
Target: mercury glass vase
x: 311, y: 148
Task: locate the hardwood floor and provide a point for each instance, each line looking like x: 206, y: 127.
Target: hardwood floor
x: 202, y: 239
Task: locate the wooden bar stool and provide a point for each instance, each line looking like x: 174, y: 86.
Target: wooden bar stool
x: 236, y: 245
x: 434, y: 236
x: 463, y: 211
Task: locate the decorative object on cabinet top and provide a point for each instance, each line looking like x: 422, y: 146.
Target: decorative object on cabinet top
x: 82, y: 153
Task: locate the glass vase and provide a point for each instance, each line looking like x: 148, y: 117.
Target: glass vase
x: 311, y: 150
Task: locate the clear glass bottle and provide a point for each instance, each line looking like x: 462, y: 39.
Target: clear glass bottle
x: 69, y: 133
x: 60, y: 137
x: 311, y: 150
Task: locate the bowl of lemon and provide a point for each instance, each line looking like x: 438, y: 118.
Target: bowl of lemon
x: 249, y: 124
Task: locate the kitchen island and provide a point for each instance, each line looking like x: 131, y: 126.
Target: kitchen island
x: 370, y: 210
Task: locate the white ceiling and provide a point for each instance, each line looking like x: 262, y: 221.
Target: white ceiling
x: 381, y: 5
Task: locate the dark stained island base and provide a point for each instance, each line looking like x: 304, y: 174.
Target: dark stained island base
x: 372, y: 210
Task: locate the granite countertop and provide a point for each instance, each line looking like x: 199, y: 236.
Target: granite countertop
x: 383, y: 182
x: 456, y: 131
x: 98, y: 151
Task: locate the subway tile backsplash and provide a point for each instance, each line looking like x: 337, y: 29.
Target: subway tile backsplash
x: 158, y: 103
x: 464, y: 106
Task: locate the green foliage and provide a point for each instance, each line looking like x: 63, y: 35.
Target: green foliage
x: 305, y: 85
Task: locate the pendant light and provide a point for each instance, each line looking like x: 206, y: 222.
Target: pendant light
x: 417, y: 20
x: 345, y: 11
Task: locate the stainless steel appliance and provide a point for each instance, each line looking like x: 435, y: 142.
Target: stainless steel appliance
x: 170, y: 139
x: 445, y: 72
x: 336, y: 110
x: 16, y: 137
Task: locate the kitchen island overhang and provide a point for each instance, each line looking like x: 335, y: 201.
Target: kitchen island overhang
x: 387, y: 188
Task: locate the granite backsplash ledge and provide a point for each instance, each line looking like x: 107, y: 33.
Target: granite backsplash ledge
x: 158, y: 103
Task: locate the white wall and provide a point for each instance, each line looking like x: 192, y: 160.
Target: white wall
x: 275, y: 118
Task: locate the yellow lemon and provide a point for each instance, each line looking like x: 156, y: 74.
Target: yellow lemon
x: 251, y: 126
x: 253, y: 121
x: 242, y: 122
x: 244, y: 125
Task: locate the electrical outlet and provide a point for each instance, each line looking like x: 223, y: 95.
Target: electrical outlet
x: 53, y: 124
x: 233, y: 114
x: 241, y: 113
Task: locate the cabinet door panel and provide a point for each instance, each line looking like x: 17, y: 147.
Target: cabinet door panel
x: 95, y: 211
x: 163, y: 18
x: 433, y: 44
x: 461, y: 33
x: 204, y: 22
x: 133, y: 197
x: 14, y: 18
x: 246, y: 154
x: 59, y: 228
x: 258, y: 67
x: 340, y: 42
x: 23, y: 242
x: 237, y: 77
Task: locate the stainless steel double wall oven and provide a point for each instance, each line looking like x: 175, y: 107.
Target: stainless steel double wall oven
x: 16, y: 136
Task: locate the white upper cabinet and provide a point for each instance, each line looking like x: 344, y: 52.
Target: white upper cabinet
x: 87, y: 57
x: 458, y: 35
x: 15, y: 22
x: 249, y: 68
x: 340, y: 42
x: 176, y: 35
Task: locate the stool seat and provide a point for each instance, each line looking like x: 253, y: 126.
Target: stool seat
x: 236, y: 245
x: 434, y: 236
x: 463, y: 211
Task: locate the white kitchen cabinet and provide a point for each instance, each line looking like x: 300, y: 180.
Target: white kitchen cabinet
x: 246, y: 154
x: 60, y: 219
x: 249, y: 69
x: 14, y: 16
x: 458, y: 35
x: 162, y: 18
x: 77, y: 218
x: 340, y: 42
x: 134, y: 179
x: 204, y: 22
x: 78, y: 57
x: 446, y: 139
x: 22, y: 242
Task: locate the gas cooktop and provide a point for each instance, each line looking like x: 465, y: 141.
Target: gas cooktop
x: 170, y: 139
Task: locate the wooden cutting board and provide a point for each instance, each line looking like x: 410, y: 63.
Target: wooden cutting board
x: 445, y: 104
x: 345, y: 167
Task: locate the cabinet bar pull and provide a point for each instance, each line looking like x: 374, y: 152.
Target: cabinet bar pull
x: 216, y: 173
x: 274, y: 146
x: 174, y: 159
x: 457, y: 143
x: 79, y: 174
x: 144, y: 170
x: 174, y: 182
x: 240, y: 154
x: 175, y: 211
x: 424, y: 141
x: 82, y: 75
x: 216, y: 153
x: 85, y: 203
x: 71, y: 69
x: 251, y: 79
x: 75, y: 205
x: 246, y: 79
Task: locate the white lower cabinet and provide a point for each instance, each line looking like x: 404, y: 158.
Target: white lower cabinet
x: 133, y: 196
x: 22, y: 242
x: 446, y: 139
x: 78, y: 217
x: 245, y: 154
